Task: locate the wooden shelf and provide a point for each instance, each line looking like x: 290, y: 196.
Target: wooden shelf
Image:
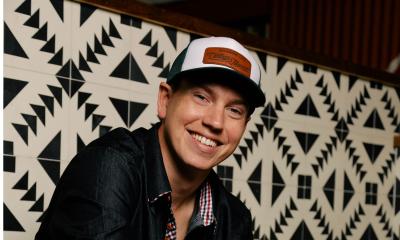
x: 201, y: 27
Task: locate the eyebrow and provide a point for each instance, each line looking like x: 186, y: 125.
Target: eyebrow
x: 239, y: 100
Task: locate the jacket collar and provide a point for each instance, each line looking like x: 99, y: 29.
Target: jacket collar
x: 156, y: 176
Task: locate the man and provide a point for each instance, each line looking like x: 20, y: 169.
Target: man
x: 159, y: 183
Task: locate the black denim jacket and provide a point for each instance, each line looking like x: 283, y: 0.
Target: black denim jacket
x: 104, y: 192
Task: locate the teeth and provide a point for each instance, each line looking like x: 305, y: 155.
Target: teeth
x: 204, y: 140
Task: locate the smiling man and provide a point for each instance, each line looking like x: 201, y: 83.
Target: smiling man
x: 159, y: 183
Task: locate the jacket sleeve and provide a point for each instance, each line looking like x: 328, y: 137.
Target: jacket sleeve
x: 93, y: 198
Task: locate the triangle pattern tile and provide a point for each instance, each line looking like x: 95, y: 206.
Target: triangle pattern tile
x: 374, y: 120
x: 341, y: 130
x: 373, y: 151
x: 348, y: 191
x: 57, y: 93
x: 41, y: 34
x: 238, y: 159
x: 278, y: 184
x: 122, y: 108
x: 98, y: 48
x: 25, y: 8
x: 50, y: 45
x: 65, y: 84
x: 31, y: 121
x: 281, y: 63
x: 164, y: 72
x: 113, y: 31
x: 89, y: 109
x: 75, y: 86
x: 75, y: 73
x: 83, y: 65
x: 302, y: 232
x: 58, y: 5
x: 65, y: 71
x: 38, y: 205
x: 79, y: 143
x: 352, y: 81
x: 105, y: 39
x: 22, y: 131
x: 11, y: 44
x: 146, y: 39
x: 48, y: 102
x: 33, y: 21
x: 96, y: 120
x: 329, y: 189
x: 86, y: 11
x: 82, y: 98
x: 136, y: 73
x: 306, y: 140
x: 22, y: 183
x: 90, y: 56
x: 369, y: 234
x: 307, y: 107
x: 153, y: 52
x: 122, y: 70
x: 159, y: 61
x: 135, y: 110
x: 11, y: 223
x: 57, y: 59
x: 40, y: 112
x: 254, y: 182
x: 172, y: 35
x: 30, y: 195
x: 336, y: 77
x: 269, y: 117
x: 52, y: 168
x: 12, y: 87
x: 52, y: 149
x: 263, y: 59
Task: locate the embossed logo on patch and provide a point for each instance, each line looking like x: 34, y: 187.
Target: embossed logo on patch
x: 229, y: 58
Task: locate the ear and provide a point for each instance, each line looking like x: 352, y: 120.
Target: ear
x: 164, y: 95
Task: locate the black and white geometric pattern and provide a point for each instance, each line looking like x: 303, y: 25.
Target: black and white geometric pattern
x: 316, y: 162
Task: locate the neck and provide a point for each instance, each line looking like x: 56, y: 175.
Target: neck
x: 184, y: 180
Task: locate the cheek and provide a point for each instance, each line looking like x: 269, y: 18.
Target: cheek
x: 236, y: 132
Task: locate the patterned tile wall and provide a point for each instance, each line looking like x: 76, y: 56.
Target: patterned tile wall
x: 316, y: 162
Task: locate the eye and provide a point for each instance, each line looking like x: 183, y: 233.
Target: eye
x: 200, y: 98
x: 236, y: 112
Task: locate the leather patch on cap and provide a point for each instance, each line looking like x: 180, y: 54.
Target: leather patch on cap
x: 229, y: 58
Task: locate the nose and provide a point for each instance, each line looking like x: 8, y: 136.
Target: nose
x: 213, y: 118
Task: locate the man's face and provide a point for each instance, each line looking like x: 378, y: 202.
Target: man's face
x: 202, y: 123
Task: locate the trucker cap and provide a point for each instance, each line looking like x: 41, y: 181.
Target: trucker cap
x: 221, y: 55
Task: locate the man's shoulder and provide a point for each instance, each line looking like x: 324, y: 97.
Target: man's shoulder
x: 121, y: 139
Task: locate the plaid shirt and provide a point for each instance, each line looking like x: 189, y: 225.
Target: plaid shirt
x: 204, y: 213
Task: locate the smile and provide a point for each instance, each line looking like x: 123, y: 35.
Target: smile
x: 204, y: 140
